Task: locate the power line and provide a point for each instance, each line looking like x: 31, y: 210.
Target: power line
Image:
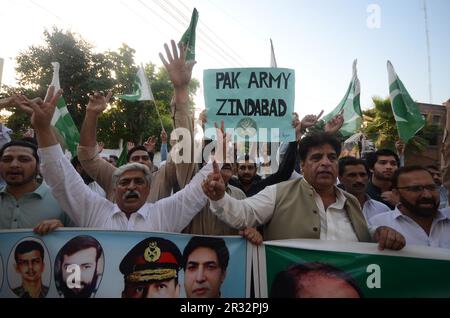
x: 202, y: 24
x: 167, y: 22
x: 46, y: 10
x: 211, y: 48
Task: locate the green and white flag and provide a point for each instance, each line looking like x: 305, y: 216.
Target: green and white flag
x: 188, y: 37
x: 123, y: 154
x: 351, y: 107
x: 406, y: 113
x: 62, y: 120
x: 142, y: 90
x: 273, y: 61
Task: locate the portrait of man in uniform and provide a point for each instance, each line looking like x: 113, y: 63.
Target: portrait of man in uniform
x: 29, y: 263
x: 150, y: 269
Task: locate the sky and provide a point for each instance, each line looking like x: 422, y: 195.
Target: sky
x: 319, y: 39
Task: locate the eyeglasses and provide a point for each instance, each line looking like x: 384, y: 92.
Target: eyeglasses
x: 420, y: 188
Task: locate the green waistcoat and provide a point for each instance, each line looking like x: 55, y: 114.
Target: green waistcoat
x: 296, y: 214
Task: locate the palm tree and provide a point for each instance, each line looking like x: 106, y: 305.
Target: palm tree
x: 380, y: 127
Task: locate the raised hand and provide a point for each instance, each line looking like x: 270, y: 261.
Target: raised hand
x: 400, y: 147
x: 310, y: 120
x: 179, y: 70
x: 130, y: 145
x: 150, y: 144
x: 334, y: 124
x: 163, y: 136
x: 41, y: 111
x: 100, y: 146
x: 214, y: 186
x: 98, y: 102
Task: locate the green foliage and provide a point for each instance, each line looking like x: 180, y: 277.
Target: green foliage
x: 83, y: 71
x: 382, y: 129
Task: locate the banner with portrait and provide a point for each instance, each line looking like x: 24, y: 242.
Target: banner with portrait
x: 256, y: 104
x: 318, y: 268
x: 113, y: 264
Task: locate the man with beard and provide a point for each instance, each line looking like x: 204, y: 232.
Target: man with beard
x: 354, y: 176
x: 29, y: 257
x: 417, y: 216
x: 86, y: 253
x: 24, y: 202
x: 382, y: 165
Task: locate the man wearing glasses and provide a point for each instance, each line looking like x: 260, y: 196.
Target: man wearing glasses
x: 417, y: 216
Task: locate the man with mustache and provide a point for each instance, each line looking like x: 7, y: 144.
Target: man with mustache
x: 354, y: 177
x: 24, y: 202
x: 131, y: 184
x: 312, y: 207
x: 29, y: 257
x: 417, y: 216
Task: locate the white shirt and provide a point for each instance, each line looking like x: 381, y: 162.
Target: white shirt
x: 373, y: 207
x: 413, y: 232
x: 88, y: 209
x: 259, y: 209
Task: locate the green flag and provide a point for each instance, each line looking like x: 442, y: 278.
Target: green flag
x: 350, y: 105
x: 123, y: 155
x: 188, y: 37
x: 142, y: 90
x: 406, y: 113
x: 62, y: 120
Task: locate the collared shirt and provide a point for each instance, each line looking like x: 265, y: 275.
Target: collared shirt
x: 373, y: 207
x: 413, y: 232
x: 31, y: 209
x: 22, y: 293
x: 334, y: 222
x: 259, y: 209
x: 87, y: 209
x: 443, y: 197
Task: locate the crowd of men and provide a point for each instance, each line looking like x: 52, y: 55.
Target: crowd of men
x: 324, y: 197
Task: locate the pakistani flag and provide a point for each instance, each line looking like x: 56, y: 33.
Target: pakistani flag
x: 406, y: 113
x: 350, y: 106
x: 62, y: 120
x: 273, y: 61
x: 123, y: 155
x: 188, y: 37
x: 142, y: 90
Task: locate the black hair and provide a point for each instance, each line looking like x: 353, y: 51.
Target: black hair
x: 406, y: 169
x: 28, y: 246
x: 373, y: 157
x: 21, y: 143
x: 216, y: 244
x: 151, y: 155
x: 285, y: 284
x: 351, y: 161
x: 315, y: 140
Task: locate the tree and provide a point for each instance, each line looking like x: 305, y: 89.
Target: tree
x: 81, y: 72
x: 382, y: 129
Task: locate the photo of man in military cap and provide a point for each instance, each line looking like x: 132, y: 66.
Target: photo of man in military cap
x: 150, y: 269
